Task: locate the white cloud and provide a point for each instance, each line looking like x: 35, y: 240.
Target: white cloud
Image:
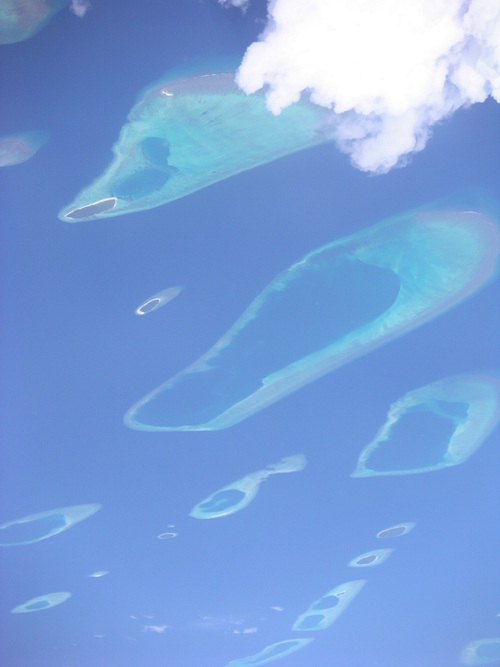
x: 245, y: 631
x: 80, y: 7
x: 230, y: 623
x: 389, y: 70
x: 235, y: 3
x: 160, y: 629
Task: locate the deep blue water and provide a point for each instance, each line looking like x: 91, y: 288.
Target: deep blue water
x: 75, y: 357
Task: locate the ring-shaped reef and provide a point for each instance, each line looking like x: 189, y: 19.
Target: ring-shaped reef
x: 328, y: 608
x: 17, y: 148
x: 433, y: 427
x: 239, y: 494
x: 37, y: 527
x: 186, y: 134
x: 270, y: 653
x: 158, y: 300
x: 21, y: 19
x: 371, y: 558
x: 41, y: 602
x: 337, y: 303
x: 398, y: 530
x: 481, y: 652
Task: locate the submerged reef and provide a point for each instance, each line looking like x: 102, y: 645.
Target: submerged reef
x: 481, y: 652
x: 186, y: 134
x: 371, y: 558
x: 271, y: 653
x: 433, y: 427
x: 41, y: 602
x: 328, y: 608
x: 21, y: 19
x: 37, y: 527
x: 398, y: 530
x: 17, y: 148
x: 239, y: 494
x: 158, y: 300
x: 337, y: 303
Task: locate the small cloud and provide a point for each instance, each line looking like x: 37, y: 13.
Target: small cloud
x: 80, y: 7
x: 245, y: 631
x: 243, y: 4
x: 276, y: 608
x: 160, y: 629
x: 217, y: 623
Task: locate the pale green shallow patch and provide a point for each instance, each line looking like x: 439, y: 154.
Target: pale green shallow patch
x: 187, y: 134
x: 334, y: 305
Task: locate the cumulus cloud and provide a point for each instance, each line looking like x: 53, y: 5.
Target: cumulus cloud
x: 80, y: 7
x: 388, y: 70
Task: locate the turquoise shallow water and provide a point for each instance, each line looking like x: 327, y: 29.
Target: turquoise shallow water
x: 433, y: 427
x: 187, y: 134
x: 337, y: 303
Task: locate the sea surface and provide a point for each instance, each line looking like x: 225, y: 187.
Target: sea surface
x: 250, y: 386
